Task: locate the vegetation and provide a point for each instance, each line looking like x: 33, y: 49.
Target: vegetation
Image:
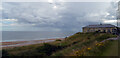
x: 5, y: 53
x: 110, y: 51
x: 58, y: 40
x: 79, y: 44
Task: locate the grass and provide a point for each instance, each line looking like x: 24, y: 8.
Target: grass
x: 58, y: 40
x: 66, y: 47
x: 112, y: 50
x: 89, y: 40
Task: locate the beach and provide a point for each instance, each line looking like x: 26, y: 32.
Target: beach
x: 24, y: 43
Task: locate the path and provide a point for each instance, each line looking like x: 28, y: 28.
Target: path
x: 113, y: 49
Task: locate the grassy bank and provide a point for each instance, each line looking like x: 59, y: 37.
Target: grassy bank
x: 79, y: 44
x: 112, y: 50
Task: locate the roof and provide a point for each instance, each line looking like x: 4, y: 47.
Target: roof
x: 99, y: 26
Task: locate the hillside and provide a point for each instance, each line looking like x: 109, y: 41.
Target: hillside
x: 79, y: 44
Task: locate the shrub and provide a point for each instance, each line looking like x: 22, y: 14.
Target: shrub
x: 99, y: 48
x: 78, y: 33
x: 46, y: 49
x: 74, y: 43
x: 5, y: 53
x: 58, y: 40
x: 103, y: 37
x: 88, y: 38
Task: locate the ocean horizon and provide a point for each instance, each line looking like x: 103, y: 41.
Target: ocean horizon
x: 8, y: 36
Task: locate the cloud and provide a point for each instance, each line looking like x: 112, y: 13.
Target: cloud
x: 59, y: 0
x: 1, y: 8
x: 62, y: 16
x: 9, y: 19
x: 110, y: 21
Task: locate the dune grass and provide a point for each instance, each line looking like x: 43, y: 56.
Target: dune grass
x: 66, y: 47
x: 112, y: 50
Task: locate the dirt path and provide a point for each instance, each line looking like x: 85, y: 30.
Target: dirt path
x: 113, y: 49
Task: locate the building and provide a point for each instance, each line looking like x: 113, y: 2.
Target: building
x: 106, y: 28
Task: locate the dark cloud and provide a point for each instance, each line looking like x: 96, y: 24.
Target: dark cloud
x: 70, y: 16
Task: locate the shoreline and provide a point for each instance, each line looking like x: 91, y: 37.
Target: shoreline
x: 31, y: 39
x: 24, y: 43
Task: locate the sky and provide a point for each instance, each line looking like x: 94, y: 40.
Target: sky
x: 55, y: 16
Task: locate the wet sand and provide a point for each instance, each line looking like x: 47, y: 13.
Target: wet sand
x: 23, y: 43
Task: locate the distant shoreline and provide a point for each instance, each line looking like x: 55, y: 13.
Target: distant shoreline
x: 30, y: 39
x: 29, y: 42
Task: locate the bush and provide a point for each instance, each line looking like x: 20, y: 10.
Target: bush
x: 79, y: 33
x: 58, y: 40
x: 46, y: 49
x: 103, y: 37
x: 88, y: 38
x: 74, y: 43
x: 5, y: 53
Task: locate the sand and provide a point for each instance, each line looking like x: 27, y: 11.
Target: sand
x: 23, y: 43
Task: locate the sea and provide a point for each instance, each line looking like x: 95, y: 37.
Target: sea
x: 8, y: 36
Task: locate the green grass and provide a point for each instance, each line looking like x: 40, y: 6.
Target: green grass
x: 65, y: 47
x: 88, y: 40
x: 58, y: 40
x: 112, y: 50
